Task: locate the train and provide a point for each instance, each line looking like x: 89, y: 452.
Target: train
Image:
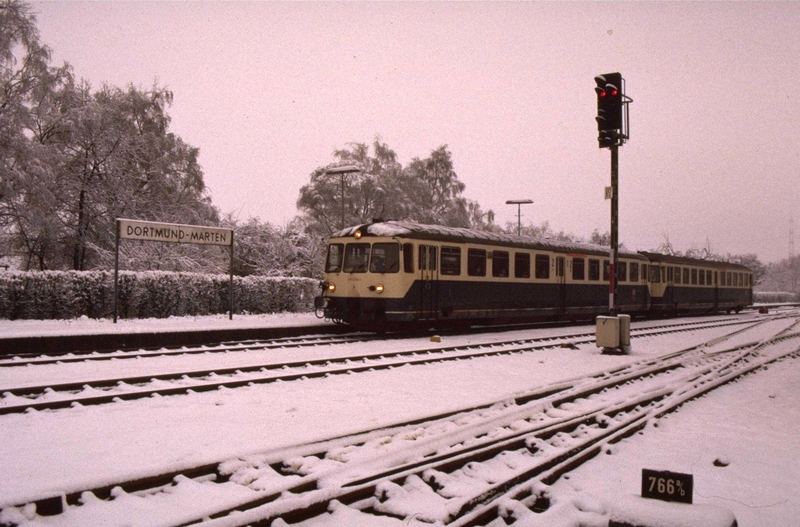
x: 393, y: 274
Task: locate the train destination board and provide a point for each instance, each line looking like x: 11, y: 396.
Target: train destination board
x: 174, y: 233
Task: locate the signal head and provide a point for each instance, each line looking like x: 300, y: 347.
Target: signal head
x: 609, y: 103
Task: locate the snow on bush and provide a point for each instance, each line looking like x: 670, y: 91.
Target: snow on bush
x: 72, y: 294
x: 771, y: 297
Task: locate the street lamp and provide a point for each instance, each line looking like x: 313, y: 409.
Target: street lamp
x: 342, y: 171
x: 519, y: 203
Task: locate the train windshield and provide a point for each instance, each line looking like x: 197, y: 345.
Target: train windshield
x: 334, y: 262
x: 356, y: 257
x: 360, y: 257
x: 385, y: 258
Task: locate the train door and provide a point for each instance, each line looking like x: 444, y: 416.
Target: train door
x: 429, y: 276
x: 668, y: 275
x: 716, y: 290
x: 562, y: 286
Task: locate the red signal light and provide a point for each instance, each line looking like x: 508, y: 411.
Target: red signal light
x: 601, y: 93
x: 614, y: 92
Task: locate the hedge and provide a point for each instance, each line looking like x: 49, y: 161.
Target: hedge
x: 775, y: 297
x: 72, y: 294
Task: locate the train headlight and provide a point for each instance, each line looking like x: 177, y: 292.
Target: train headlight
x: 330, y: 287
x: 358, y: 234
x: 377, y: 288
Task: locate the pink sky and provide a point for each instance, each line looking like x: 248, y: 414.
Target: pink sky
x: 267, y: 91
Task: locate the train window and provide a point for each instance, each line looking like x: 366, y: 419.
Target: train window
x: 622, y: 272
x: 694, y: 276
x: 708, y: 277
x: 542, y: 266
x: 333, y: 264
x: 727, y: 278
x: 670, y: 274
x: 578, y: 268
x: 476, y: 262
x: 644, y: 272
x: 385, y: 258
x: 677, y: 275
x: 451, y: 260
x: 655, y: 274
x: 686, y: 275
x: 408, y: 257
x: 500, y: 264
x: 594, y: 269
x: 702, y: 277
x: 522, y: 265
x: 634, y: 277
x: 605, y: 270
x: 356, y: 256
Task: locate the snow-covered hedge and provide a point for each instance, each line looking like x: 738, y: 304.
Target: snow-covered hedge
x: 71, y: 294
x: 772, y: 297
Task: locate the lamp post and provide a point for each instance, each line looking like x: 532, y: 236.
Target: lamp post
x: 342, y: 171
x: 519, y: 203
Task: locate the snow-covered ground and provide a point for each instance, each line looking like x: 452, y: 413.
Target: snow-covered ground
x: 752, y: 425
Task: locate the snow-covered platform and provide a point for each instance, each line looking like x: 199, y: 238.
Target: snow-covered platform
x: 53, y: 336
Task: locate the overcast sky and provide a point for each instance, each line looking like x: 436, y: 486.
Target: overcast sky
x: 268, y: 91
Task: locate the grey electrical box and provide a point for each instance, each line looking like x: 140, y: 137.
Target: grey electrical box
x: 608, y: 332
x: 624, y: 331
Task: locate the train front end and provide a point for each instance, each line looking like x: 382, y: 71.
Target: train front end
x: 364, y: 283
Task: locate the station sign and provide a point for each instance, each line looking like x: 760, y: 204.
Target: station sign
x: 174, y: 233
x: 153, y: 231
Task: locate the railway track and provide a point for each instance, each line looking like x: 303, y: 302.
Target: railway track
x: 464, y: 465
x: 17, y: 399
x: 304, y: 341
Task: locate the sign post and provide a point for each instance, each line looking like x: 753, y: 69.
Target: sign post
x: 614, y: 249
x: 116, y: 268
x: 171, y: 233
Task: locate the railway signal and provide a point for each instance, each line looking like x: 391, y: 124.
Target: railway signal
x: 612, y: 130
x: 609, y: 102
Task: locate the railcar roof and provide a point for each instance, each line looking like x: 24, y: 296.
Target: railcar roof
x: 683, y: 260
x: 422, y: 231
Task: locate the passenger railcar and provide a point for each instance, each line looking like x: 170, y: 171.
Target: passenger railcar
x: 679, y: 284
x: 391, y: 273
